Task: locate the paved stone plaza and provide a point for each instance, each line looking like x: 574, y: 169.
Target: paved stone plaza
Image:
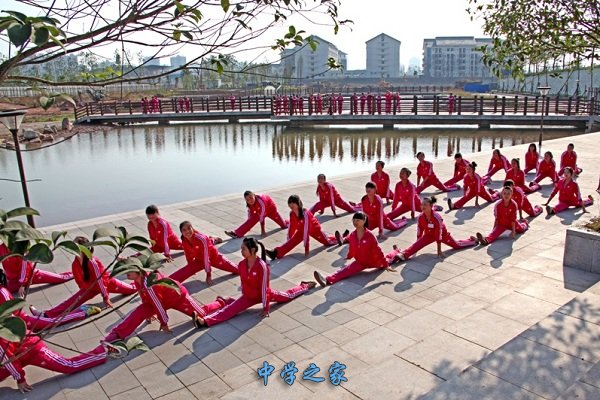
x: 505, y: 321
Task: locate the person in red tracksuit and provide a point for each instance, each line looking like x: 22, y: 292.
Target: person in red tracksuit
x: 156, y: 300
x: 516, y: 175
x: 406, y: 197
x: 160, y: 232
x: 40, y: 323
x: 260, y: 206
x: 365, y: 250
x: 372, y: 206
x: 505, y: 213
x: 200, y: 253
x: 498, y: 163
x: 20, y: 273
x: 430, y: 229
x: 92, y: 280
x: 532, y: 158
x: 569, y: 159
x: 303, y: 225
x: 330, y: 197
x: 460, y: 170
x: 425, y: 173
x: 473, y: 188
x: 522, y: 201
x: 382, y: 180
x: 546, y: 169
x: 568, y: 194
x: 256, y: 286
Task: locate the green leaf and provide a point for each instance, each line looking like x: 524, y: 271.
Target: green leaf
x: 17, y: 15
x: 136, y: 246
x: 19, y: 34
x: 21, y: 211
x: 154, y: 261
x: 177, y: 35
x: 106, y: 232
x: 188, y: 35
x: 85, y: 251
x: 70, y: 246
x: 10, y: 306
x: 131, y: 264
x: 3, y: 216
x: 137, y: 238
x: 225, y: 5
x: 166, y: 282
x: 29, y: 233
x: 102, y: 243
x: 40, y: 253
x: 41, y: 36
x: 135, y: 343
x: 46, y: 102
x: 56, y: 235
x: 13, y: 329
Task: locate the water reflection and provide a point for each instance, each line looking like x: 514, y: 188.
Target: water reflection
x: 123, y: 169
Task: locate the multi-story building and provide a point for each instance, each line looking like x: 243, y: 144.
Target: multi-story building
x: 178, y: 61
x: 304, y: 63
x: 455, y: 57
x: 383, y: 57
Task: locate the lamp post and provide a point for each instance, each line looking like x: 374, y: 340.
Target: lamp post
x: 12, y: 121
x: 544, y: 92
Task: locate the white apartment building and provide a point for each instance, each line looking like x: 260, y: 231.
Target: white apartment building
x: 383, y: 57
x: 455, y: 57
x: 304, y: 63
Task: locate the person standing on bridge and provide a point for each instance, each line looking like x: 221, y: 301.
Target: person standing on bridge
x: 451, y: 103
x: 355, y: 104
x: 200, y: 253
x: 473, y: 188
x: 260, y: 206
x: 303, y: 225
x: 340, y: 103
x: 388, y: 102
x: 370, y: 104
x: 497, y: 163
x: 301, y: 105
x: 505, y: 213
x: 232, y: 102
x: 569, y: 159
x: 532, y: 159
x: 330, y: 197
x: 319, y: 102
x: 546, y: 169
x: 363, y: 100
x: 379, y: 104
x: 460, y: 170
x: 427, y: 175
x: 568, y: 195
x: 517, y: 176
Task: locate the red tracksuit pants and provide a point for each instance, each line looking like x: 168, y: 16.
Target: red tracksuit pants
x: 45, y: 358
x: 425, y: 240
x: 398, y: 211
x: 85, y: 294
x: 552, y: 175
x: 454, y: 180
x: 437, y: 183
x: 36, y: 324
x: 347, y: 271
x: 298, y: 237
x: 389, y: 224
x: 483, y: 193
x: 520, y: 227
x: 530, y: 189
x: 562, y: 206
x: 146, y: 311
x: 173, y: 242
x: 529, y: 209
x: 488, y: 177
x: 254, y: 219
x: 216, y: 260
x: 339, y: 202
x: 242, y: 303
x: 40, y: 277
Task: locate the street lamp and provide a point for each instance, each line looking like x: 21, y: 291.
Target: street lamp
x: 12, y: 121
x: 544, y: 92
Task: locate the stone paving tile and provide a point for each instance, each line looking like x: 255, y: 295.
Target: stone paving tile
x: 580, y: 391
x: 510, y: 284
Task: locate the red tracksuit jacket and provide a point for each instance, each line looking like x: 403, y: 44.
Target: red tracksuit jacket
x: 434, y: 228
x: 15, y: 267
x: 505, y: 215
x: 502, y: 163
x: 199, y: 250
x: 425, y: 170
x: 161, y: 235
x: 328, y: 195
x: 381, y: 182
x: 472, y: 185
x: 374, y: 211
x: 366, y: 251
x: 460, y: 169
x: 307, y: 225
x: 517, y: 176
x: 568, y: 160
x: 9, y: 349
x: 547, y: 168
x: 406, y: 195
x: 531, y: 159
x: 160, y: 297
x: 567, y: 192
x: 97, y: 277
x: 256, y: 282
x: 260, y: 206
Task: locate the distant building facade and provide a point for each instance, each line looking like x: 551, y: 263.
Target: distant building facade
x: 301, y: 62
x: 178, y: 61
x: 383, y: 57
x: 455, y: 57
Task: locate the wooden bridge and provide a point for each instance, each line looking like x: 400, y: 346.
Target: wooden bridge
x: 482, y: 111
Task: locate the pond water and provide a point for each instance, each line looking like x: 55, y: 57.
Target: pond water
x: 117, y: 170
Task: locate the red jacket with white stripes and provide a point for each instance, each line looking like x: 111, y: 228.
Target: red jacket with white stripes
x: 160, y: 234
x: 160, y: 297
x: 531, y: 159
x: 374, y: 211
x: 501, y: 162
x: 568, y: 159
x: 567, y: 192
x: 518, y: 196
x: 5, y: 296
x: 306, y: 225
x: 472, y: 185
x: 382, y: 182
x: 256, y: 281
x: 366, y: 250
x: 433, y: 227
x: 328, y: 195
x: 425, y: 169
x: 15, y: 267
x: 517, y: 176
x: 97, y: 277
x: 406, y: 194
x: 8, y: 350
x: 546, y: 168
x: 460, y: 168
x: 260, y: 207
x: 199, y: 250
x: 505, y: 215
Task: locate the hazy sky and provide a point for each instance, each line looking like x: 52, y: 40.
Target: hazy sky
x: 408, y: 21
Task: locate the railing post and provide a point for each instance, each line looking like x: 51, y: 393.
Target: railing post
x: 459, y: 112
x: 495, y: 104
x: 265, y: 102
x: 224, y: 105
x: 87, y: 110
x: 475, y: 104
x: 516, y: 105
x: 101, y: 109
x: 535, y: 108
x: 436, y: 104
x: 556, y: 105
x: 481, y: 105
x: 130, y: 110
x: 218, y: 103
x: 394, y: 104
x: 240, y: 104
x: 577, y: 105
x: 525, y: 106
x: 256, y: 98
x: 569, y: 104
x: 503, y: 111
x: 547, y: 105
x: 208, y: 104
x: 116, y: 108
x: 415, y: 105
x: 592, y: 106
x: 160, y: 106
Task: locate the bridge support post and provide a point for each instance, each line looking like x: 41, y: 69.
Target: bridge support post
x: 388, y: 125
x: 484, y: 125
x: 164, y: 122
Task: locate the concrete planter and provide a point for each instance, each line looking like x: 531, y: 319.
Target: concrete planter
x: 582, y: 250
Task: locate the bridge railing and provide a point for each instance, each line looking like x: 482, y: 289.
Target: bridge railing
x: 411, y: 105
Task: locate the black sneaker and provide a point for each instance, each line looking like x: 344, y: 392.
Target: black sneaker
x: 272, y: 254
x: 231, y: 234
x: 196, y: 320
x: 549, y: 210
x: 319, y: 278
x: 338, y: 237
x: 346, y: 233
x: 481, y: 239
x: 449, y: 204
